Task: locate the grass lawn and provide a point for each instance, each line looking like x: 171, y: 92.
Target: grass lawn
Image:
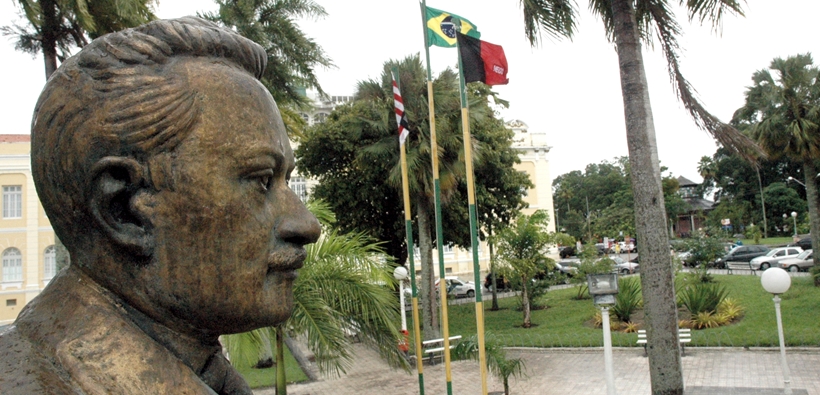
x: 566, y: 321
x: 771, y: 241
x: 260, y: 378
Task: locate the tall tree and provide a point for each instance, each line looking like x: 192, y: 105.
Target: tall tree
x: 627, y: 24
x: 783, y: 112
x: 354, y: 155
x: 292, y: 56
x: 55, y: 26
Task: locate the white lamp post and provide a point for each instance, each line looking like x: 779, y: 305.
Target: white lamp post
x: 400, y: 274
x: 603, y: 288
x: 794, y: 218
x: 776, y: 281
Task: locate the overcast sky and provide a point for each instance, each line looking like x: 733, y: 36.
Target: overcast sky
x: 568, y: 89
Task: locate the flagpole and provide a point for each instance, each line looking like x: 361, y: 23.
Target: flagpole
x: 408, y: 227
x: 468, y: 160
x: 445, y: 327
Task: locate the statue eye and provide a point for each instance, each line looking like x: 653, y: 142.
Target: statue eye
x: 263, y: 179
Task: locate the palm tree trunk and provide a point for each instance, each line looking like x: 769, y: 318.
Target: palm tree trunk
x: 265, y: 359
x: 657, y: 279
x: 49, y: 37
x: 810, y: 172
x: 429, y: 306
x: 281, y: 379
x: 300, y: 358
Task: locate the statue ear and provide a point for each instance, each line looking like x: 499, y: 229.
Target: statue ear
x: 117, y: 185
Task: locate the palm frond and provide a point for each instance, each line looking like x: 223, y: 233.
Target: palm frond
x: 667, y: 32
x: 555, y: 18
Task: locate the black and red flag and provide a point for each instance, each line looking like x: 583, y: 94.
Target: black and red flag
x: 482, y: 61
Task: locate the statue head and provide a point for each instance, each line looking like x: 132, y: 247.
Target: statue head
x: 163, y: 164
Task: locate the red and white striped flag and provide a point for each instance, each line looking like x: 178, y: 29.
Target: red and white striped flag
x: 401, y: 119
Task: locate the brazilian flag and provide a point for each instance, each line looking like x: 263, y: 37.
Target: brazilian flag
x: 442, y: 27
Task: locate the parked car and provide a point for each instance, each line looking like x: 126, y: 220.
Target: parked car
x: 627, y: 247
x: 804, y: 243
x: 624, y: 267
x: 501, y: 283
x: 457, y: 287
x: 741, y: 254
x: 804, y: 261
x: 773, y: 257
x: 567, y: 267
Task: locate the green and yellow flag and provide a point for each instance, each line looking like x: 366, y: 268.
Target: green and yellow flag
x: 442, y: 27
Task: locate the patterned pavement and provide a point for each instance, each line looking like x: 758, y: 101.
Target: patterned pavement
x: 707, y: 371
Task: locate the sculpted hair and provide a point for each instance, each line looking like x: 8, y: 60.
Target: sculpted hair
x: 115, y: 98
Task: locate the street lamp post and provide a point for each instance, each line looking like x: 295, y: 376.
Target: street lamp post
x: 794, y: 219
x: 796, y: 180
x: 400, y: 274
x: 776, y: 281
x: 603, y: 288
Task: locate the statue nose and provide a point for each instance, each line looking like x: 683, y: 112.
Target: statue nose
x: 300, y: 226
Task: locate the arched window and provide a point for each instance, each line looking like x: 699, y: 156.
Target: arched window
x: 12, y: 265
x: 49, y: 263
x: 320, y: 117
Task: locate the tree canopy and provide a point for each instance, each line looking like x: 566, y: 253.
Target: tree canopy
x: 57, y: 26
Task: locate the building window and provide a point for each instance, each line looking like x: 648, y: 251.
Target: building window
x: 447, y: 249
x: 299, y: 186
x: 11, y: 302
x: 12, y: 265
x: 13, y: 201
x: 49, y: 263
x: 320, y: 117
x: 305, y: 117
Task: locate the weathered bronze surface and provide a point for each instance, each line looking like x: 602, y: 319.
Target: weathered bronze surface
x: 162, y: 163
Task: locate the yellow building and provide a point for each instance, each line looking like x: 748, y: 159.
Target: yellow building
x: 534, y: 154
x: 26, y: 238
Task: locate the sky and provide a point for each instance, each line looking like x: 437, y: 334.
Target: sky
x: 568, y: 89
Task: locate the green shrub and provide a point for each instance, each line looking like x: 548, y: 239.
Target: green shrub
x: 729, y: 310
x: 702, y: 297
x: 706, y: 319
x: 628, y: 298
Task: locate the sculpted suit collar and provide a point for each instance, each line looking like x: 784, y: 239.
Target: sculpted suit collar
x: 83, y: 339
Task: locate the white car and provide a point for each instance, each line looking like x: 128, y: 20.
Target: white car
x: 773, y: 257
x: 458, y: 287
x: 804, y: 261
x: 624, y: 267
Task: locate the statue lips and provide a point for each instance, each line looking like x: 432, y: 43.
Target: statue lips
x: 284, y: 262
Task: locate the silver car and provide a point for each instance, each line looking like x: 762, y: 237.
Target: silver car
x: 773, y: 257
x: 624, y: 267
x: 802, y: 262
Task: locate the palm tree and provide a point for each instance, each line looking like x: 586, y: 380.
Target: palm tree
x: 57, y: 25
x: 783, y: 115
x: 451, y: 165
x: 497, y: 361
x: 627, y: 24
x: 522, y: 247
x: 292, y: 56
x: 345, y: 287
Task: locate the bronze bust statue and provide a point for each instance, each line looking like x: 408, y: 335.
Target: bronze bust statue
x: 162, y: 163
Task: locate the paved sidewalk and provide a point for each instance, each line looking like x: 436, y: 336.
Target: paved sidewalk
x: 714, y: 371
